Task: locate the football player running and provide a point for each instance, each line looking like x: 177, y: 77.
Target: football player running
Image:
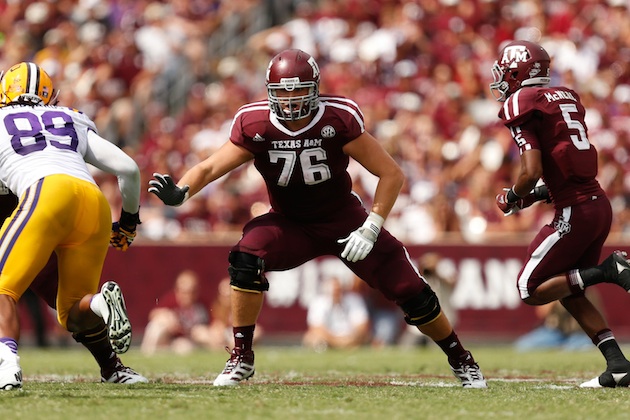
x: 547, y: 124
x: 301, y: 143
x: 44, y: 149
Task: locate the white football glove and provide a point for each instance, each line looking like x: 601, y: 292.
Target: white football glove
x: 360, y: 242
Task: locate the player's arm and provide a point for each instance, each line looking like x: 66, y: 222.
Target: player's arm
x: 530, y: 173
x: 366, y: 150
x: 524, y: 192
x: 110, y: 158
x: 227, y: 158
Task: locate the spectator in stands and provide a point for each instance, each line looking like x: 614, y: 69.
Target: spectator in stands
x: 337, y: 318
x: 172, y: 323
x: 413, y: 67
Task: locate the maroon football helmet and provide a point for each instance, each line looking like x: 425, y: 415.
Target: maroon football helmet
x: 521, y: 63
x: 290, y: 70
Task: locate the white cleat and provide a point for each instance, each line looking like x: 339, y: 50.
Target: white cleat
x: 239, y: 367
x: 123, y: 375
x: 10, y: 370
x: 470, y: 376
x: 114, y: 314
x: 468, y: 372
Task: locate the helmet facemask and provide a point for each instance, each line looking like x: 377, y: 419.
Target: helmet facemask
x: 499, y: 87
x: 292, y: 108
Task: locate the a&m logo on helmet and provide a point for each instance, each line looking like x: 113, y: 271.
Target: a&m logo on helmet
x: 515, y: 54
x: 315, y: 67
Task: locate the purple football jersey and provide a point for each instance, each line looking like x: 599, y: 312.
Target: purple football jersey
x: 551, y: 119
x: 305, y: 170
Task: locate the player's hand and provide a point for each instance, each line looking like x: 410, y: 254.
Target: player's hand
x: 360, y: 242
x: 504, y: 205
x: 167, y: 191
x: 509, y: 207
x: 124, y: 230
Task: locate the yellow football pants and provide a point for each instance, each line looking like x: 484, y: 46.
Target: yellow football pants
x: 61, y: 214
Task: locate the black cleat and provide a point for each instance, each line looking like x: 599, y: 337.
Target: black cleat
x: 617, y: 269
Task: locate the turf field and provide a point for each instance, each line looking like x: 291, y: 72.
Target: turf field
x: 292, y: 382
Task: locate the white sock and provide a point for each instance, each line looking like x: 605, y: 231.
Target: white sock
x: 95, y: 304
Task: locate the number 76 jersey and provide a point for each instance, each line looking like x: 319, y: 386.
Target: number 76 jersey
x: 305, y: 170
x: 36, y: 141
x: 551, y: 120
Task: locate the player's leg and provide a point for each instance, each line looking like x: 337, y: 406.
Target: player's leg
x: 10, y: 370
x: 81, y: 310
x: 26, y: 246
x: 389, y: 269
x: 592, y: 321
x: 93, y: 317
x: 269, y: 243
x: 80, y: 262
x: 572, y: 246
x: 562, y: 258
x: 248, y: 283
x: 95, y: 340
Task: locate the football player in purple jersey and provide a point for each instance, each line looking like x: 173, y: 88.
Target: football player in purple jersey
x: 547, y: 124
x: 44, y: 151
x: 301, y: 143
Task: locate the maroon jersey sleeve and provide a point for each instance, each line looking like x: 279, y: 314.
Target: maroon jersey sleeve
x: 304, y: 170
x: 551, y: 120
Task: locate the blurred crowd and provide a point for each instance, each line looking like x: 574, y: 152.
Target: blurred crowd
x: 163, y: 79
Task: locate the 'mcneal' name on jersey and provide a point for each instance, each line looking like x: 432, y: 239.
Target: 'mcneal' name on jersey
x: 559, y: 94
x: 296, y: 144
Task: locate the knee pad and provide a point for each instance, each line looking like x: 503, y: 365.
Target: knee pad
x: 423, y: 308
x: 247, y: 272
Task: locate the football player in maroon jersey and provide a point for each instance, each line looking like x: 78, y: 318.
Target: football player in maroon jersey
x: 301, y: 143
x: 96, y: 341
x: 547, y: 124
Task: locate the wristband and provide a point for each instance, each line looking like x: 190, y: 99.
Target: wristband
x: 129, y: 220
x: 185, y: 196
x: 541, y: 193
x: 374, y: 222
x: 511, y: 196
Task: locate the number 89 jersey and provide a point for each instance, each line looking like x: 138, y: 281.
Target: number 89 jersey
x: 304, y: 170
x: 36, y: 141
x: 551, y: 120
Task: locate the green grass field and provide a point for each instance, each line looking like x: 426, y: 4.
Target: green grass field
x: 292, y: 382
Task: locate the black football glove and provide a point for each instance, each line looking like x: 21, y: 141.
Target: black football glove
x: 167, y: 191
x: 510, y: 203
x: 124, y: 230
